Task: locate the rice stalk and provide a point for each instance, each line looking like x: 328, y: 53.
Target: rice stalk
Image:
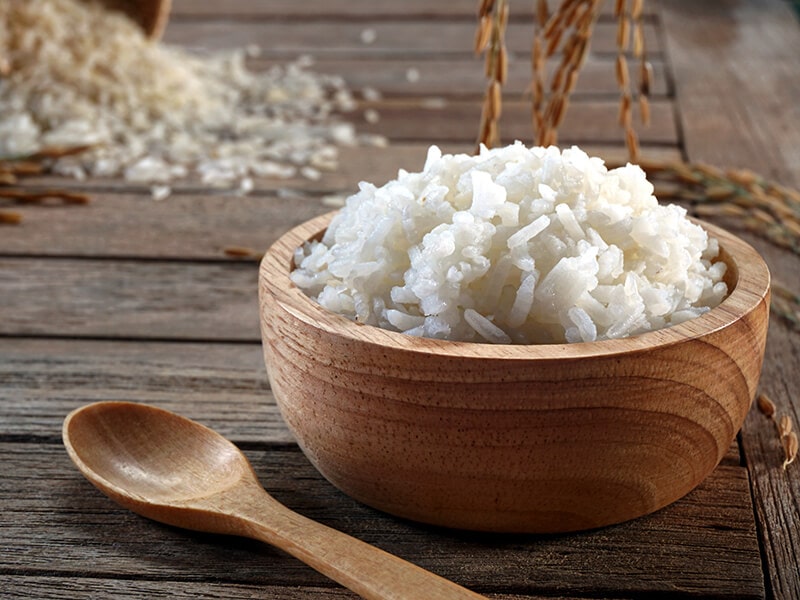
x: 21, y: 167
x: 542, y: 12
x: 630, y: 34
x: 10, y: 217
x: 623, y: 80
x: 567, y: 31
x: 13, y: 170
x: 644, y: 109
x: 625, y: 113
x: 490, y: 41
x: 765, y: 405
x: 28, y: 197
x: 784, y: 427
x: 243, y: 252
x: 623, y: 32
x: 790, y: 446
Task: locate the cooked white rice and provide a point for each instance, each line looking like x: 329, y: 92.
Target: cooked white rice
x: 515, y: 245
x: 75, y: 73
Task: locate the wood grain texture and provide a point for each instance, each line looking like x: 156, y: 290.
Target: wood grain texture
x: 737, y: 82
x: 223, y: 385
x: 588, y: 434
x: 592, y: 121
x: 459, y: 77
x: 702, y: 546
x: 58, y: 588
x: 184, y: 227
x: 392, y: 37
x: 178, y: 472
x: 129, y: 299
x: 63, y: 588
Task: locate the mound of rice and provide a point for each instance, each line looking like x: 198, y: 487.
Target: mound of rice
x: 515, y: 245
x: 73, y: 73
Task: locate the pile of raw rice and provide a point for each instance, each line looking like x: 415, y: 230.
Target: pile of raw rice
x: 515, y: 245
x: 73, y: 73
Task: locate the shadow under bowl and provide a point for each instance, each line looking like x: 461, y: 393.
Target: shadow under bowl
x: 539, y: 438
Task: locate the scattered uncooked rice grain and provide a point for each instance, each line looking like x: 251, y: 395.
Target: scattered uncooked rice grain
x: 412, y: 75
x: 513, y: 245
x: 80, y: 74
x: 368, y: 36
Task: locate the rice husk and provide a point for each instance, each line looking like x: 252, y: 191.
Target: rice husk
x: 514, y: 245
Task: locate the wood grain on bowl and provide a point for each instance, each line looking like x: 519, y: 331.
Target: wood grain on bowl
x: 541, y: 438
x: 150, y: 15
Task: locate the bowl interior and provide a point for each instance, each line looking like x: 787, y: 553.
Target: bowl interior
x: 747, y: 278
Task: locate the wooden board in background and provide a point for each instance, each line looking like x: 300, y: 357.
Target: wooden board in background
x: 739, y: 106
x: 354, y: 9
x: 421, y: 38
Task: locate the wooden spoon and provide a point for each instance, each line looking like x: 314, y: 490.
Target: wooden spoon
x: 150, y: 15
x: 176, y: 471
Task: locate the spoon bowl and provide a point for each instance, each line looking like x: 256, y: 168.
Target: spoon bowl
x: 176, y: 471
x: 135, y: 452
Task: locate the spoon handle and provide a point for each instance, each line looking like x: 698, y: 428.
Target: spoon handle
x: 360, y: 567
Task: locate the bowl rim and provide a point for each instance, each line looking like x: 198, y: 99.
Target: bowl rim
x: 751, y: 289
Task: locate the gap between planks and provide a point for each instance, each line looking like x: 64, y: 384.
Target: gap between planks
x: 354, y: 9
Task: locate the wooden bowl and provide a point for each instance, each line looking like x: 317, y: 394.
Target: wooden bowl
x: 150, y: 15
x: 541, y: 438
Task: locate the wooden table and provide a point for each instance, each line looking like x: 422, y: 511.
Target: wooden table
x: 128, y: 298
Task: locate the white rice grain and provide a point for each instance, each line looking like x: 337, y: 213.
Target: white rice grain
x: 80, y: 74
x: 485, y: 328
x: 530, y: 245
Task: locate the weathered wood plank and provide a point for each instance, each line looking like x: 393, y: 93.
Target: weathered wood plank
x: 129, y: 299
x: 350, y: 9
x: 55, y: 522
x: 737, y: 81
x: 91, y: 588
x: 460, y: 77
x: 423, y: 38
x: 223, y: 385
x: 777, y: 491
x: 591, y: 121
x: 185, y: 226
